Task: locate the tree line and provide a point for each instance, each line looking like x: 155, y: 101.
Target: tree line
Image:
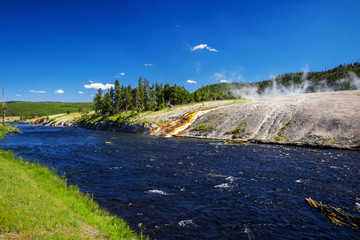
x: 334, y: 78
x: 145, y: 97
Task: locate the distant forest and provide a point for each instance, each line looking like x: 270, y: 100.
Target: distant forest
x: 152, y: 97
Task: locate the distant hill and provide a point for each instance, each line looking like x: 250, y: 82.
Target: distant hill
x: 37, y: 109
x: 343, y: 77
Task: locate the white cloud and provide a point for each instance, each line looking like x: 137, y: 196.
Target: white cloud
x: 18, y: 95
x: 191, y: 81
x: 34, y: 91
x: 99, y: 85
x: 60, y: 91
x: 91, y: 81
x: 80, y: 92
x: 225, y: 81
x: 120, y: 74
x: 148, y: 64
x: 203, y: 46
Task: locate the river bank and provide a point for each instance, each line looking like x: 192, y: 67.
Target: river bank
x: 195, y: 189
x: 37, y: 204
x: 315, y: 119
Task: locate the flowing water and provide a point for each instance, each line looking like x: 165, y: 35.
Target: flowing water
x: 195, y: 189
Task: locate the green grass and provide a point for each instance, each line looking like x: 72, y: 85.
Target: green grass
x: 200, y: 127
x: 44, y: 108
x: 279, y: 137
x: 239, y: 131
x: 6, y: 129
x: 36, y: 204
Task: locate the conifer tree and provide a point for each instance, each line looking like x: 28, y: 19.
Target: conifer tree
x: 117, y: 96
x: 141, y: 94
x: 98, y: 101
x: 112, y: 100
x: 129, y: 99
x: 106, y: 104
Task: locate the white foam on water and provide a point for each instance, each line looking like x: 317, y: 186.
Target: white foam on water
x: 334, y: 167
x: 299, y: 180
x: 230, y: 179
x: 357, y: 204
x: 156, y: 191
x: 223, y: 185
x: 111, y: 168
x: 184, y: 223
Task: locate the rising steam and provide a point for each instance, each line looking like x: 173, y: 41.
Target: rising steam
x: 306, y: 86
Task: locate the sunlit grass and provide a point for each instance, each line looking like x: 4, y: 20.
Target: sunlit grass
x: 36, y: 204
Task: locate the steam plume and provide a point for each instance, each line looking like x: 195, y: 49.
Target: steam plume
x: 306, y: 86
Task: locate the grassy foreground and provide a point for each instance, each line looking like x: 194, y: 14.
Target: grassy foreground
x: 36, y: 204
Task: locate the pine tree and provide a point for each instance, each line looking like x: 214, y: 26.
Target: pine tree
x: 136, y: 101
x: 129, y: 99
x: 98, y: 101
x: 141, y: 94
x: 106, y: 104
x: 147, y: 89
x: 167, y: 94
x: 112, y: 100
x: 117, y: 96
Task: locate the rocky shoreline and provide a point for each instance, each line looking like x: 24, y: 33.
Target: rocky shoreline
x: 124, y: 127
x: 329, y: 120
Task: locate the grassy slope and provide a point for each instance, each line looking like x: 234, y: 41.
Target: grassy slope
x: 43, y: 108
x: 36, y: 204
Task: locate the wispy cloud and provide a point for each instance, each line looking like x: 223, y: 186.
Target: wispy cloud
x: 99, y: 85
x: 80, y: 92
x: 91, y: 81
x: 191, y: 81
x: 203, y: 46
x: 60, y: 91
x: 18, y: 95
x: 34, y: 91
x: 120, y: 74
x: 148, y: 64
x: 228, y: 76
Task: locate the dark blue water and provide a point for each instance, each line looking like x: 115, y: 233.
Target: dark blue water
x: 169, y: 185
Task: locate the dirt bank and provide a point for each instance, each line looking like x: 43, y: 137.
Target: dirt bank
x: 329, y: 119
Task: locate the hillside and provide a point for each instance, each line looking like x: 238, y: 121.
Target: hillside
x: 343, y: 77
x: 37, y: 109
x: 315, y: 119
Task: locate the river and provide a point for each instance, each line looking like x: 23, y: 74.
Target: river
x: 196, y: 189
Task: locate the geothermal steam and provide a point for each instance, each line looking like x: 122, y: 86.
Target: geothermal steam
x: 276, y: 90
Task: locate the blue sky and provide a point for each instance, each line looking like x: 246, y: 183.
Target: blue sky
x: 52, y: 45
